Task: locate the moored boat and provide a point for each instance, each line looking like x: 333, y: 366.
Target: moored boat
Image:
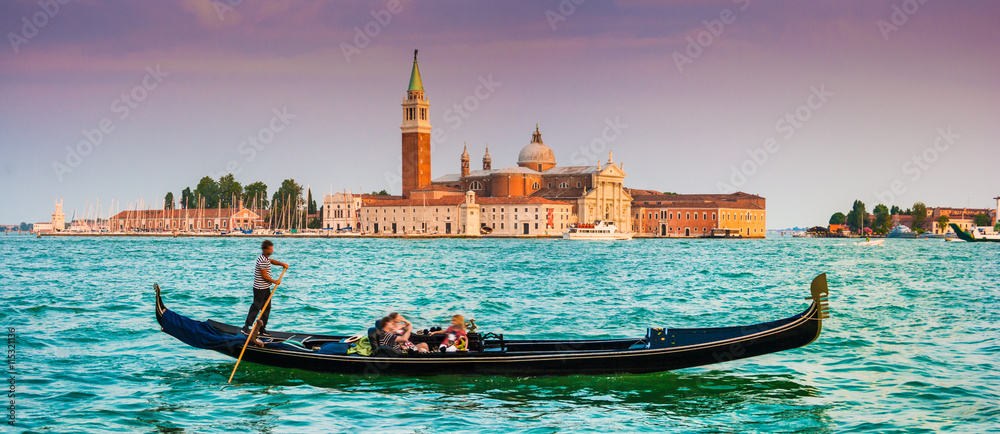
x: 599, y: 230
x: 901, y: 231
x: 978, y: 234
x: 661, y: 349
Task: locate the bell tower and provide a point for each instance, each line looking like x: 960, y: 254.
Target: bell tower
x: 465, y: 162
x: 416, y: 130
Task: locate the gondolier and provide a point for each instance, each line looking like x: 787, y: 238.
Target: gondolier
x: 262, y: 287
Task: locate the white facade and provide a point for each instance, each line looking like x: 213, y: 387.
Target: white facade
x: 520, y: 216
x: 467, y: 215
x: 58, y: 218
x: 41, y: 227
x: 608, y: 200
x: 409, y: 217
x: 341, y: 210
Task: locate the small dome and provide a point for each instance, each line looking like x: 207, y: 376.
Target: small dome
x: 536, y: 152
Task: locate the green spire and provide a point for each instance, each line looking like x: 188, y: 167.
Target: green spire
x: 415, y: 83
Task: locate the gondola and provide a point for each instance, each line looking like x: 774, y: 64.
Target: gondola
x: 661, y: 349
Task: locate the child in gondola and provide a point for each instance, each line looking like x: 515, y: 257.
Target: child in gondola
x: 455, y: 336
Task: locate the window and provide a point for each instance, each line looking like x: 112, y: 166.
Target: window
x: 476, y: 185
x: 550, y: 185
x: 713, y: 216
x: 534, y: 185
x: 688, y: 216
x: 696, y: 216
x: 578, y: 185
x: 564, y: 185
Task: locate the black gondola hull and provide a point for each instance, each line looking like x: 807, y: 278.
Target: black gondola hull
x: 677, y: 349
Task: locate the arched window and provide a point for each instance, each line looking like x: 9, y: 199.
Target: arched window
x: 564, y: 185
x: 476, y: 185
x: 535, y: 186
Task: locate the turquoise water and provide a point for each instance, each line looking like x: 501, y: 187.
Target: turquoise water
x: 913, y: 344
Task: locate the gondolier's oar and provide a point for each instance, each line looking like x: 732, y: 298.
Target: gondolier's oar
x: 254, y: 329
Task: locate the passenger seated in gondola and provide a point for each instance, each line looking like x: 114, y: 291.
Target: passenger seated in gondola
x: 456, y: 338
x: 396, y: 332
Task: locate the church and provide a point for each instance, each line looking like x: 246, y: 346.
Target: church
x: 535, y: 196
x: 593, y: 192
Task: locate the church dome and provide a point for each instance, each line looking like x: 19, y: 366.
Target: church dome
x: 536, y: 152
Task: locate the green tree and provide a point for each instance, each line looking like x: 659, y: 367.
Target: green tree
x: 168, y: 200
x: 896, y: 210
x: 288, y: 197
x: 919, y: 213
x: 838, y: 218
x: 883, y: 219
x: 380, y: 193
x: 311, y: 202
x: 187, y: 198
x: 255, y: 195
x: 230, y: 191
x: 24, y: 227
x: 982, y: 220
x: 858, y: 217
x: 315, y: 223
x: 942, y: 222
x: 206, y: 193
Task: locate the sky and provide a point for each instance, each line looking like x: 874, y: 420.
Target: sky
x: 809, y: 104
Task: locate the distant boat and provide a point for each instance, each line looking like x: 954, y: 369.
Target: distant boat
x: 929, y: 235
x: 901, y: 231
x: 979, y: 234
x: 870, y: 243
x: 600, y: 230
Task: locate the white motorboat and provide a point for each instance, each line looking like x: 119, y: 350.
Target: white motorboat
x: 870, y: 243
x: 599, y: 230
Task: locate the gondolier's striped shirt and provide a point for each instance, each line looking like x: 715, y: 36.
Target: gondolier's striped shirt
x: 258, y: 280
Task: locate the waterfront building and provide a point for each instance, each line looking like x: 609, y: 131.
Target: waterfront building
x: 963, y: 217
x: 58, y: 218
x: 467, y: 215
x: 342, y: 210
x: 590, y: 192
x: 218, y: 219
x: 698, y: 215
x: 596, y: 192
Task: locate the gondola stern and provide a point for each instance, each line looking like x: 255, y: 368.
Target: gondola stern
x: 160, y: 307
x: 820, y: 296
